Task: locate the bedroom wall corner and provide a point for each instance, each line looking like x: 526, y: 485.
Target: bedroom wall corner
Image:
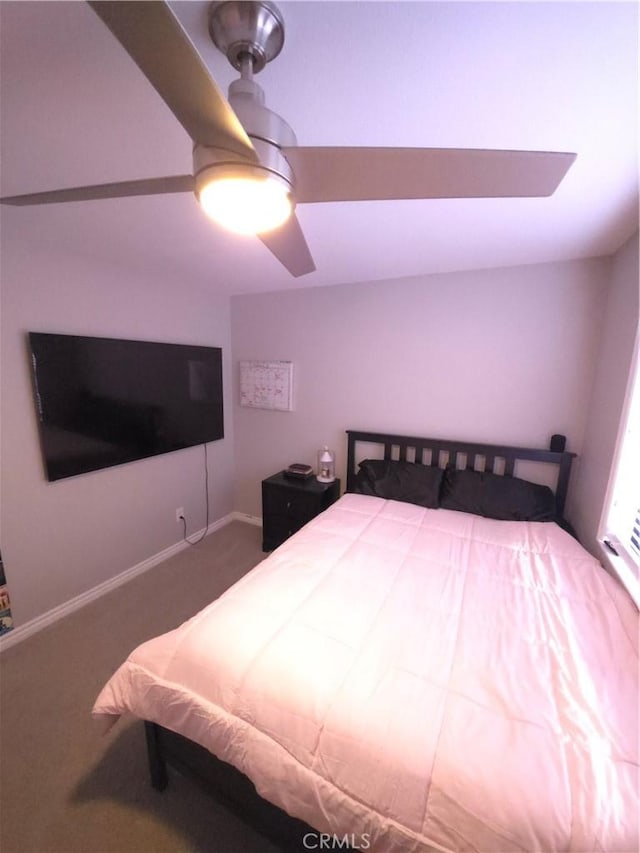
x: 61, y: 540
x: 620, y: 325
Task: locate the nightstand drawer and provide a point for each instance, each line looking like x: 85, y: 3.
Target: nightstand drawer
x: 289, y: 503
x: 277, y: 528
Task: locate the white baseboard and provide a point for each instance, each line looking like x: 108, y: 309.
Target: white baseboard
x: 16, y: 635
x: 249, y: 519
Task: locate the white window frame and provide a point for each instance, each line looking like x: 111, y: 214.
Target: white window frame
x: 616, y: 549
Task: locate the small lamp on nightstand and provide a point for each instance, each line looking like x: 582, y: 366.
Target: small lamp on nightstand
x: 326, y: 465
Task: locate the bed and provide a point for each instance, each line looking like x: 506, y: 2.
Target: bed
x: 433, y: 663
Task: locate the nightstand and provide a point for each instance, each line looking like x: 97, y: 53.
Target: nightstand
x: 288, y: 504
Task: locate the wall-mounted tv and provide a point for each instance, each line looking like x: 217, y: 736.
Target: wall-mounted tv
x: 102, y: 402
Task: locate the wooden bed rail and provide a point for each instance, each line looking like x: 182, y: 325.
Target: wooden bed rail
x: 496, y: 458
x: 227, y: 785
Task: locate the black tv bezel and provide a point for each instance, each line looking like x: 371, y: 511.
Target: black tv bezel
x: 51, y: 471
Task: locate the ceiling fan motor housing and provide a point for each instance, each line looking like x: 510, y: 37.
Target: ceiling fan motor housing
x: 266, y: 130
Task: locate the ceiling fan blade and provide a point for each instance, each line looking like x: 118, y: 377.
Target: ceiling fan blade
x: 367, y: 174
x: 289, y: 246
x: 147, y: 186
x: 154, y: 38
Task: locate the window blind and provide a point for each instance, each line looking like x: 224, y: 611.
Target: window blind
x: 635, y: 534
x: 620, y: 531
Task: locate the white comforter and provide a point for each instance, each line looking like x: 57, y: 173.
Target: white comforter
x: 417, y: 679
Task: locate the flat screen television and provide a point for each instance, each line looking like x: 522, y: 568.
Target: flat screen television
x: 102, y: 402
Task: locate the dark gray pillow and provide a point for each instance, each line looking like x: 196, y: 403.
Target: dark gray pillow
x: 493, y: 496
x: 400, y: 481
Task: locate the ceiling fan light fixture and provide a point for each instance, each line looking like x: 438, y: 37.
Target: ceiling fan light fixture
x: 245, y: 200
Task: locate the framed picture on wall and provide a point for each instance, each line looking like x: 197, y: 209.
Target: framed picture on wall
x: 267, y: 385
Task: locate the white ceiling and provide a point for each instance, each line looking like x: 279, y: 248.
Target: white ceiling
x: 552, y: 76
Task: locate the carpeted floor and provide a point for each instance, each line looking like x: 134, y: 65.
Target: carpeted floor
x: 67, y: 789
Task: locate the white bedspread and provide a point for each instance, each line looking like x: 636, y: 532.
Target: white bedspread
x: 417, y: 679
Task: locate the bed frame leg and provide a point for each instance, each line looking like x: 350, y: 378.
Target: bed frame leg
x: 157, y: 765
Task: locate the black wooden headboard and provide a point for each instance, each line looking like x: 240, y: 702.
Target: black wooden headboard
x: 497, y: 458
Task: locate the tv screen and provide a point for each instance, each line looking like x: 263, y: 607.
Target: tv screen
x: 102, y: 402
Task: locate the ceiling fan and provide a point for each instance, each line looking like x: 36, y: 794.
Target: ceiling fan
x: 248, y: 171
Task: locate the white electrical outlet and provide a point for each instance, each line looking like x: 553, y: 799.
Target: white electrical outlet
x: 179, y: 513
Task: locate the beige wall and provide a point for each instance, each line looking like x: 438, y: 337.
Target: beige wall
x: 502, y: 355
x: 60, y: 539
x: 608, y: 391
